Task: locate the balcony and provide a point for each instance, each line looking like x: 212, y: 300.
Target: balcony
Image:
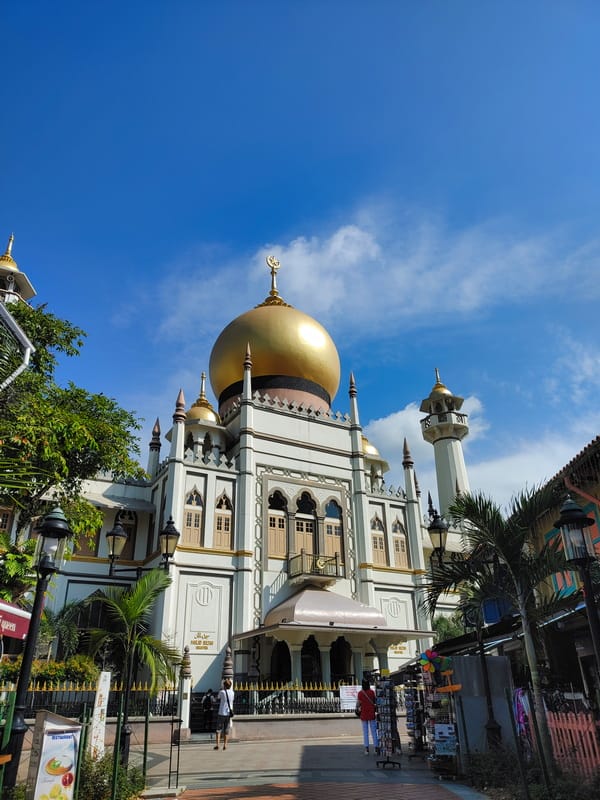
x: 316, y: 569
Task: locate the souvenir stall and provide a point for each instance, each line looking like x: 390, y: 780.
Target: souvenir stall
x: 440, y: 713
x: 390, y: 748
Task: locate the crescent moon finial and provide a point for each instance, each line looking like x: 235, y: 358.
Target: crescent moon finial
x: 273, y: 264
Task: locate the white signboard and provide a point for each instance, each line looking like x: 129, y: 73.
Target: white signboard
x: 348, y: 695
x: 55, y: 757
x: 99, y: 717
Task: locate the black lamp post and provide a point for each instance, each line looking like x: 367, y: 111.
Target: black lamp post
x: 438, y: 533
x: 116, y: 540
x: 579, y: 553
x: 52, y: 535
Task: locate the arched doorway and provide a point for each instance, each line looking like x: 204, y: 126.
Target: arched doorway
x: 341, y: 661
x: 281, y: 663
x: 311, y: 661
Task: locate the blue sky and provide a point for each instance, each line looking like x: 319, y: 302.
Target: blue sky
x: 427, y: 173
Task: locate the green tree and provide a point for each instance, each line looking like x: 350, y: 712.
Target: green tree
x: 62, y: 435
x: 61, y: 627
x: 447, y: 627
x: 129, y: 613
x: 16, y: 568
x: 501, y: 560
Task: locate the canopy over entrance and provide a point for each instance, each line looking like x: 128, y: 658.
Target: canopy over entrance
x: 329, y: 615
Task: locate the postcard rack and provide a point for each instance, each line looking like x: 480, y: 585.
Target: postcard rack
x: 390, y: 748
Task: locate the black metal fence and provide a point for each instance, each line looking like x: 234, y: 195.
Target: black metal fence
x: 70, y: 700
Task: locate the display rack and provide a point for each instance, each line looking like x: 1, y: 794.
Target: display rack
x: 440, y: 724
x: 387, y: 724
x: 415, y: 711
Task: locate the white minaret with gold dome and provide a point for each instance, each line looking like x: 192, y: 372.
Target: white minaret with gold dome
x: 445, y: 427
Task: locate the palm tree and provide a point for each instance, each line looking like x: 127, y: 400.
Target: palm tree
x: 501, y: 560
x: 129, y: 611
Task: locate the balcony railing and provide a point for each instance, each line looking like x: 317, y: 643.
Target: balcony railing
x: 322, y: 569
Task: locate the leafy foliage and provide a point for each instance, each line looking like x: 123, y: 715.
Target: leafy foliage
x: 64, y: 435
x: 61, y: 627
x: 447, y: 627
x: 77, y: 669
x: 16, y: 570
x: 129, y: 612
x: 95, y: 779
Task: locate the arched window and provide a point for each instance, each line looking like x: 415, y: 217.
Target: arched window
x: 334, y: 541
x: 192, y: 520
x: 223, y: 523
x: 305, y: 524
x: 400, y: 544
x: 277, y: 544
x: 207, y: 444
x: 378, y: 542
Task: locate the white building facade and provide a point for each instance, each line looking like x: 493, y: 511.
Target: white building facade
x: 290, y: 549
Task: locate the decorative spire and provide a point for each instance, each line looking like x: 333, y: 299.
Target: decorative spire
x: 274, y: 298
x: 407, y: 461
x: 227, y: 664
x: 438, y: 381
x: 417, y: 487
x: 248, y: 357
x: 430, y: 508
x: 185, y: 670
x: 179, y: 415
x: 352, y: 391
x: 155, y: 441
x: 202, y: 408
x: 6, y: 260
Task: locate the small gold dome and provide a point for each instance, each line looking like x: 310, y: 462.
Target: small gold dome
x: 439, y: 387
x: 369, y: 449
x: 6, y: 259
x: 284, y: 343
x: 202, y: 410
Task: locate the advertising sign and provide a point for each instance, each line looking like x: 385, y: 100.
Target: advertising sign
x: 14, y: 621
x: 348, y: 695
x: 99, y: 716
x: 445, y: 739
x: 53, y: 758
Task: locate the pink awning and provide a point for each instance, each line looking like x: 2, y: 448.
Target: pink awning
x: 14, y: 621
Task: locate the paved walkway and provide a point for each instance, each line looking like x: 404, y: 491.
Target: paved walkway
x: 326, y: 769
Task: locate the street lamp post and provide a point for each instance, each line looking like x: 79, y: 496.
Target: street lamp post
x: 579, y: 553
x: 116, y: 540
x: 53, y: 532
x: 438, y: 533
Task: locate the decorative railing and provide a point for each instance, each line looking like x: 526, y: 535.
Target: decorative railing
x: 315, y: 565
x: 69, y: 700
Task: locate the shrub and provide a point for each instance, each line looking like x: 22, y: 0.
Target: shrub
x: 96, y: 777
x: 78, y: 669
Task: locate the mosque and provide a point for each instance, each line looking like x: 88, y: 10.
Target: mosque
x: 291, y: 551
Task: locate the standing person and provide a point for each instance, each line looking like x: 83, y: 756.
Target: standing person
x: 225, y: 713
x: 367, y: 705
x: 207, y: 704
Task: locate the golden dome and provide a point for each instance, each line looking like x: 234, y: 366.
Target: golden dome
x: 202, y: 409
x: 288, y: 347
x: 6, y: 259
x: 369, y: 449
x: 439, y: 387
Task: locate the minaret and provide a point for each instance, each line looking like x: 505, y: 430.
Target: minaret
x: 176, y: 472
x: 413, y: 511
x: 154, y: 454
x: 14, y: 284
x: 360, y: 503
x: 445, y: 428
x: 247, y: 608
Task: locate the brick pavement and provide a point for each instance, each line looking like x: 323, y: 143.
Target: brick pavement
x: 319, y: 791
x: 326, y: 769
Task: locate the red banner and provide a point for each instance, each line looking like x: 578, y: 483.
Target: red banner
x: 14, y: 621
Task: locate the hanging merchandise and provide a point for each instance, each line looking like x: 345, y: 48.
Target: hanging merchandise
x: 414, y: 702
x: 440, y: 714
x: 387, y: 723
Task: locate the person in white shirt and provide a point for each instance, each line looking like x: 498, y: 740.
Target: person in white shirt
x: 225, y: 713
